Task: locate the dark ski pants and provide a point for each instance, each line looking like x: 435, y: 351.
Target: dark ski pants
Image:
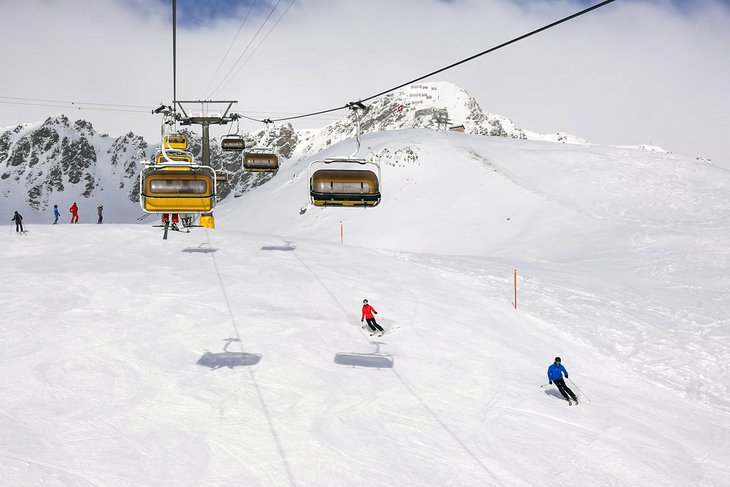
x: 374, y: 326
x: 18, y: 227
x: 564, y: 390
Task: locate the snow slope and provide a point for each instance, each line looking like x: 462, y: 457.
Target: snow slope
x: 235, y: 356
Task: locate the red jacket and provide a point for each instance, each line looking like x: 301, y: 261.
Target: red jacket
x: 74, y: 209
x: 368, y: 311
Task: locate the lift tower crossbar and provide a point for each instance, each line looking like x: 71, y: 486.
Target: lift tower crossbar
x: 205, y: 118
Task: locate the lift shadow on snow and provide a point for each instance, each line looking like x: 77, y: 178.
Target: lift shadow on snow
x: 228, y: 359
x: 288, y: 247
x: 203, y: 248
x: 373, y: 360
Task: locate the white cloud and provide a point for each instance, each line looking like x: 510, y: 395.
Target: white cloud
x: 632, y: 72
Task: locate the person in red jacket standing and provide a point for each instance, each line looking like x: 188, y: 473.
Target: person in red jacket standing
x: 74, y: 213
x: 368, y: 313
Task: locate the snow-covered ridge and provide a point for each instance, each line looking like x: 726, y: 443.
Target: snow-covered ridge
x: 57, y: 161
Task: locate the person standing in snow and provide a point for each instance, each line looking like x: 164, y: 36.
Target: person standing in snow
x: 555, y: 375
x: 18, y: 222
x: 368, y: 313
x: 56, y: 214
x: 100, y: 209
x: 166, y: 220
x: 74, y: 213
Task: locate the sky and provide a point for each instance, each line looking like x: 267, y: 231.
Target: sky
x: 235, y: 356
x: 633, y: 72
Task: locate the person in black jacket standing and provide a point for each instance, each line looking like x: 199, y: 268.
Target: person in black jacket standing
x: 18, y: 222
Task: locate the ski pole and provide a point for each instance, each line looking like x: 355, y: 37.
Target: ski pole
x: 545, y: 385
x: 583, y: 393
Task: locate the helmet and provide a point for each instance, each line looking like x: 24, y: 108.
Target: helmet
x: 364, y: 301
x: 557, y: 359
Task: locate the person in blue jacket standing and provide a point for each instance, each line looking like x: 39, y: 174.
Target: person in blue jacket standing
x: 56, y: 214
x: 555, y: 376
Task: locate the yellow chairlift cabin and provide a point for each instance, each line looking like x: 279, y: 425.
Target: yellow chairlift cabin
x: 173, y: 157
x: 175, y: 141
x: 260, y: 160
x: 344, y: 187
x: 177, y: 189
x: 174, y: 184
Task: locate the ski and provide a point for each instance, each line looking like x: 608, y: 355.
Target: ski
x: 379, y: 334
x: 383, y: 331
x: 389, y: 331
x: 369, y: 331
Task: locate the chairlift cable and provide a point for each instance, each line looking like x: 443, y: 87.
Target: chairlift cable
x: 306, y: 115
x: 75, y: 107
x: 504, y: 44
x: 470, y: 58
x: 249, y: 118
x: 174, y: 56
x: 246, y: 49
x: 261, y: 42
x: 70, y: 102
x: 230, y: 46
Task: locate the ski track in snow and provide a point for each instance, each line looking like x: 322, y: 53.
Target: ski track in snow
x: 113, y: 377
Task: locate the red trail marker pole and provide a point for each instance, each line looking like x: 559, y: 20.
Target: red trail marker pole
x: 515, y: 275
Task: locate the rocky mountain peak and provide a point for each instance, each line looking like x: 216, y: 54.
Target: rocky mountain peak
x: 59, y: 120
x: 435, y: 106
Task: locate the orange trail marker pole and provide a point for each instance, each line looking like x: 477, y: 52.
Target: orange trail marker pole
x: 342, y: 234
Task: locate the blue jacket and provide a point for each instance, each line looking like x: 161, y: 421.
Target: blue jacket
x: 56, y: 212
x: 556, y: 372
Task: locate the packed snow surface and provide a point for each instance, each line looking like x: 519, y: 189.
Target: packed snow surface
x: 235, y: 356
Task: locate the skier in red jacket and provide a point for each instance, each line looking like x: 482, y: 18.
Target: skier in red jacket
x: 367, y: 314
x: 74, y: 213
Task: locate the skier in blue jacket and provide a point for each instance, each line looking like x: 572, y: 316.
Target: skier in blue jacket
x: 555, y: 375
x: 56, y: 214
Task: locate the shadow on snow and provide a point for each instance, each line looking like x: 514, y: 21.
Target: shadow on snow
x: 287, y: 247
x: 199, y: 250
x: 373, y: 360
x: 228, y: 359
